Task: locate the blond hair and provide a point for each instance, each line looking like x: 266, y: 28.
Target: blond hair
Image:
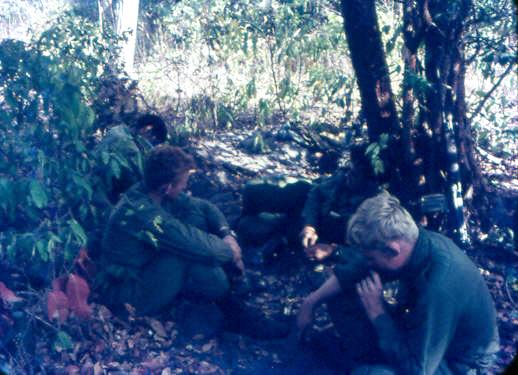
x: 381, y: 219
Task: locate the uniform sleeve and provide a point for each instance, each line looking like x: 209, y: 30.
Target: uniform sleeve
x: 216, y: 221
x: 312, y: 207
x: 351, y: 267
x: 165, y: 233
x: 419, y: 346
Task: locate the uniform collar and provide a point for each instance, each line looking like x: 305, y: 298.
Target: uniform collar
x: 419, y: 258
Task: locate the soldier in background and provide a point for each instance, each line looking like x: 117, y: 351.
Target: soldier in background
x: 121, y: 152
x: 279, y: 209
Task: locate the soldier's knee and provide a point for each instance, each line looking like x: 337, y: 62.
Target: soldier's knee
x: 217, y: 289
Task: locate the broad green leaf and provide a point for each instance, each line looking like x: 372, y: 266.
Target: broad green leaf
x: 63, y: 342
x: 78, y: 231
x: 38, y: 194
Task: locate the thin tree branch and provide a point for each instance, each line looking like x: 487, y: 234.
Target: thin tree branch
x: 490, y: 92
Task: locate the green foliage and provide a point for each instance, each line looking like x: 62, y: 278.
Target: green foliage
x: 47, y: 125
x: 289, y: 57
x: 373, y: 152
x: 491, y: 50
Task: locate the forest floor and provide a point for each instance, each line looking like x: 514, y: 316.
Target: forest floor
x: 189, y: 339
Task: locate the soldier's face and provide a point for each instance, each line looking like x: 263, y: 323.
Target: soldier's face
x: 392, y: 257
x: 147, y: 132
x: 176, y: 188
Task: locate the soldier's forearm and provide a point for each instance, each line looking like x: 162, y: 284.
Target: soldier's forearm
x: 330, y: 288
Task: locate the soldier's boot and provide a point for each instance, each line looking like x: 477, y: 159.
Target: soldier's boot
x: 250, y: 321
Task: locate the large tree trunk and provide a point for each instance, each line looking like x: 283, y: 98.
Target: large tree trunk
x: 368, y: 59
x: 445, y: 108
x: 413, y: 31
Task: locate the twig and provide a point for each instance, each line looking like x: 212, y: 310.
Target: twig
x: 509, y: 294
x: 490, y: 92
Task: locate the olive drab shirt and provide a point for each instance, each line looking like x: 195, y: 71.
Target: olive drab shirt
x: 139, y: 230
x: 199, y: 213
x: 447, y: 324
x: 331, y: 203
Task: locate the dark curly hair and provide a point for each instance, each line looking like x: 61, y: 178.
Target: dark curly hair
x: 159, y: 130
x: 166, y: 164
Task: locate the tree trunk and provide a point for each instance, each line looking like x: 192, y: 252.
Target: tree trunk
x: 126, y: 17
x: 413, y: 35
x: 368, y: 59
x: 445, y: 109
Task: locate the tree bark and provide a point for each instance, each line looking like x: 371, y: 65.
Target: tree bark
x: 126, y: 16
x: 368, y: 59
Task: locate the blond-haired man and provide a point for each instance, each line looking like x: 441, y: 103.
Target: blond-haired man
x: 441, y: 321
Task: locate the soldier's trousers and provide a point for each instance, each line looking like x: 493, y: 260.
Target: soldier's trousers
x: 359, y: 338
x: 271, y: 208
x: 155, y: 288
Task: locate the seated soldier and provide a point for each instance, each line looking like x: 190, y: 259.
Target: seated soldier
x: 121, y: 153
x: 160, y: 242
x: 331, y: 203
x: 119, y: 157
x: 281, y: 209
x: 440, y: 318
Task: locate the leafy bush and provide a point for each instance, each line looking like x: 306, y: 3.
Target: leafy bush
x: 47, y: 125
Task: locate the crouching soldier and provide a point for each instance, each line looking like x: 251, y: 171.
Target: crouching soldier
x: 159, y: 242
x: 440, y: 317
x: 282, y: 208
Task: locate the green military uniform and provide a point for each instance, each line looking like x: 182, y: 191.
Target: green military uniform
x: 275, y: 206
x: 444, y: 321
x: 272, y: 206
x: 120, y: 157
x: 331, y: 203
x: 152, y: 252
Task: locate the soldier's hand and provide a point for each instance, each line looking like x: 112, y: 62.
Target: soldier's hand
x: 308, y: 236
x: 370, y: 291
x: 320, y: 251
x: 236, y: 252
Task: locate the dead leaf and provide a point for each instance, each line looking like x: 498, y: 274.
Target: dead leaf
x: 60, y: 283
x: 157, y: 326
x: 84, y: 264
x: 87, y: 369
x: 7, y: 295
x: 208, y: 346
x: 156, y: 362
x: 72, y: 370
x: 57, y: 306
x: 206, y: 368
x: 104, y: 313
x: 77, y: 292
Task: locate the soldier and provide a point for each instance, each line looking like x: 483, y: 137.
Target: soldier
x: 121, y: 153
x: 440, y: 318
x: 331, y: 203
x: 160, y: 242
x: 271, y: 210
